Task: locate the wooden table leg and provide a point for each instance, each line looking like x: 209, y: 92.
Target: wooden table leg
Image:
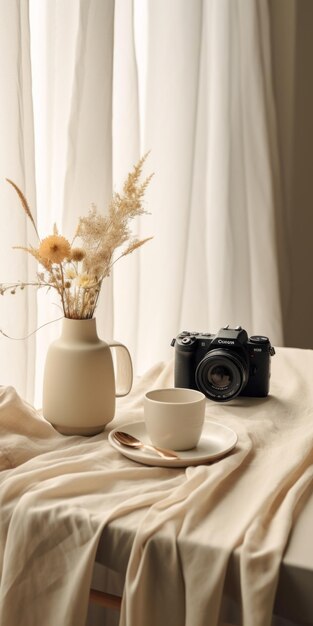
x: 105, y: 599
x: 110, y: 601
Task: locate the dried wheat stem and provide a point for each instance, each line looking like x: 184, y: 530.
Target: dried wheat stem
x: 24, y: 204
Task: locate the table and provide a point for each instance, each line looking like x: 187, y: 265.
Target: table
x: 213, y: 531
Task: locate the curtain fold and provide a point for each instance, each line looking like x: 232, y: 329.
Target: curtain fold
x: 171, y: 100
x: 126, y: 131
x: 54, y: 27
x: 17, y: 312
x: 73, y: 121
x: 88, y: 178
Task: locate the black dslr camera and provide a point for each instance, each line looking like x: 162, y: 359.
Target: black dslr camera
x: 224, y: 365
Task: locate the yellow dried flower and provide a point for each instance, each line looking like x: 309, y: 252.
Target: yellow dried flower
x: 83, y: 280
x: 77, y: 254
x: 54, y: 249
x: 70, y: 273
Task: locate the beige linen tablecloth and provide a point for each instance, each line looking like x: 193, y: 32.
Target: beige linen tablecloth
x: 57, y: 493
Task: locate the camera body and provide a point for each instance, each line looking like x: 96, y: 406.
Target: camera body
x: 224, y: 365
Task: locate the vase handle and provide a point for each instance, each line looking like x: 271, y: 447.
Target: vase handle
x: 123, y: 368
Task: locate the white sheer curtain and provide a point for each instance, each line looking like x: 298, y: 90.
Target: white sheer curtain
x: 191, y: 83
x: 210, y: 126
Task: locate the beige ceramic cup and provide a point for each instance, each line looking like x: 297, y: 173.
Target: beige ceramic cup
x: 174, y: 417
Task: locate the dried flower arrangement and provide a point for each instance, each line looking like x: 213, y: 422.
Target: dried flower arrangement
x: 76, y: 270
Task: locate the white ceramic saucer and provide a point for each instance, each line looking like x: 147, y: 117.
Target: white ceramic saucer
x: 216, y: 440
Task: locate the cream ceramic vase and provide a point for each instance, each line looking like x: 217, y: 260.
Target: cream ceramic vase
x: 79, y: 387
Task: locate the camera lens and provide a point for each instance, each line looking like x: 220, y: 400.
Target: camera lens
x: 221, y: 375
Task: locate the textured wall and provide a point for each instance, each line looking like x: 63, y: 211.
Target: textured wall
x: 292, y: 50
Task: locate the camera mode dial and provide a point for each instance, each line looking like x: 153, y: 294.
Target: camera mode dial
x: 259, y: 339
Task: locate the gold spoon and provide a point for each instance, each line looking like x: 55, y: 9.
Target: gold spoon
x: 128, y: 440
